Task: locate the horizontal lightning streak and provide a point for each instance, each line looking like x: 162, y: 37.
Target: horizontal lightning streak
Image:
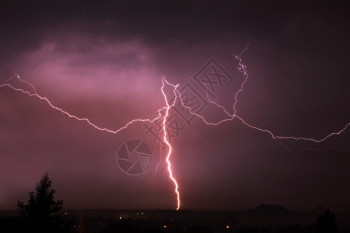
x: 35, y: 94
x: 273, y: 136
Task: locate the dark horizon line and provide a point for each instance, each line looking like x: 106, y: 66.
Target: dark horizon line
x: 194, y: 210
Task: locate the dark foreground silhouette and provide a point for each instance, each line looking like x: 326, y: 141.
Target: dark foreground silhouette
x: 42, y: 213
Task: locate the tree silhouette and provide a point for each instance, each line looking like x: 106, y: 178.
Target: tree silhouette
x: 43, y: 213
x: 326, y: 223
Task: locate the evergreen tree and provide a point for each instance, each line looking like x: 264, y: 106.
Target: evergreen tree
x: 43, y: 213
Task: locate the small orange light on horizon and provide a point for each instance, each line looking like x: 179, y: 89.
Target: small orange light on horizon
x: 227, y: 227
x: 165, y: 226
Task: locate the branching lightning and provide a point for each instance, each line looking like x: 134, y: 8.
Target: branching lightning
x: 177, y: 97
x: 86, y: 120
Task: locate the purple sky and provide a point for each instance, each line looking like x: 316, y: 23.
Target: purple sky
x: 105, y: 61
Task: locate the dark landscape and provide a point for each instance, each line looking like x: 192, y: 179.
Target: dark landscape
x: 264, y: 218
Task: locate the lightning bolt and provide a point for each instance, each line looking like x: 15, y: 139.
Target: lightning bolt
x: 177, y: 97
x: 165, y: 139
x: 86, y: 120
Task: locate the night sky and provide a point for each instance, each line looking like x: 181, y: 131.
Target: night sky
x: 105, y: 60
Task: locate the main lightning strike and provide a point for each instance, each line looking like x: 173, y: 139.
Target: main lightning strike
x: 165, y: 139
